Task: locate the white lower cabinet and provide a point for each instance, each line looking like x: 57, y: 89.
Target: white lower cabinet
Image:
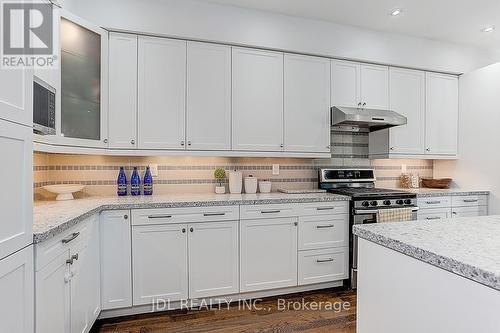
x: 324, y: 231
x: 53, y: 296
x: 116, y: 259
x: 213, y: 259
x: 442, y: 207
x: 159, y: 261
x: 167, y: 258
x: 16, y: 290
x: 316, y: 266
x: 268, y: 253
x: 67, y: 289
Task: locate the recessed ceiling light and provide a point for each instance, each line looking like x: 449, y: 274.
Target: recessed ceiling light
x: 488, y: 29
x: 396, y: 12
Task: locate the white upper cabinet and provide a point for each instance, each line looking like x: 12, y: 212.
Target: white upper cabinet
x: 306, y: 103
x: 208, y: 96
x: 122, y: 114
x: 359, y: 85
x: 16, y: 90
x: 345, y: 83
x: 161, y: 93
x: 257, y: 100
x: 374, y: 89
x: 17, y: 197
x: 441, y: 114
x: 407, y: 97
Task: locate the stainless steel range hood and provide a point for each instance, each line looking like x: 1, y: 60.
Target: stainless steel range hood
x: 372, y: 119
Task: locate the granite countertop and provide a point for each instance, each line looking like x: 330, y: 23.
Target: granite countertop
x: 53, y: 217
x: 433, y: 192
x: 469, y: 247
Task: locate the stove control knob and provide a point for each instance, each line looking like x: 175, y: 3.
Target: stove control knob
x: 366, y: 203
x: 399, y: 202
x: 374, y: 203
x: 387, y: 202
x: 408, y: 202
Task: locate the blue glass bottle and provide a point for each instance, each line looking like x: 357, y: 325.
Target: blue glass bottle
x: 148, y: 182
x: 121, y: 183
x: 135, y: 183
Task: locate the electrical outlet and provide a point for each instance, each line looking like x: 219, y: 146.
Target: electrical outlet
x: 153, y: 167
x: 276, y: 169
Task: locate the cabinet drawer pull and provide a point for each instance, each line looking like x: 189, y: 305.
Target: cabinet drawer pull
x: 74, y: 257
x: 433, y: 218
x: 325, y: 226
x: 70, y: 238
x: 324, y: 260
x: 270, y: 211
x: 159, y: 216
x: 433, y: 202
x: 214, y: 214
x: 470, y: 200
x: 324, y: 208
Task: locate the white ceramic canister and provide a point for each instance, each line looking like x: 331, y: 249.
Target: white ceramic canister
x: 250, y: 184
x: 265, y: 186
x: 235, y: 182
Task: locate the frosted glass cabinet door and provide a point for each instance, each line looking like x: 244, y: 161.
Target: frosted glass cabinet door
x: 83, y: 102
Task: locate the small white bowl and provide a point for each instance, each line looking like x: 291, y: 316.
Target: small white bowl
x: 64, y: 191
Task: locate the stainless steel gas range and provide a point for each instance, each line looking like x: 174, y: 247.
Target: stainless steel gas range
x: 366, y: 200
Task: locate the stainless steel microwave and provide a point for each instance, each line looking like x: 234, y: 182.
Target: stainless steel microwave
x: 44, y: 108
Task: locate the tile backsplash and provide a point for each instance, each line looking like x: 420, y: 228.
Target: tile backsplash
x: 195, y: 174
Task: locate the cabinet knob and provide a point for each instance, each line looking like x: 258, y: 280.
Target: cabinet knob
x: 132, y: 142
x: 359, y: 104
x: 392, y: 148
x: 183, y: 230
x: 69, y: 261
x: 428, y: 149
x: 105, y: 140
x: 364, y: 104
x: 182, y: 143
x: 282, y: 145
x: 191, y: 229
x: 328, y: 147
x: 189, y: 143
x: 295, y: 223
x: 74, y: 257
x: 125, y: 217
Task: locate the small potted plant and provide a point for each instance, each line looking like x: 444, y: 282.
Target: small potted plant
x: 220, y: 176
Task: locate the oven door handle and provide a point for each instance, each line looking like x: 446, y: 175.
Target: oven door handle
x: 374, y: 211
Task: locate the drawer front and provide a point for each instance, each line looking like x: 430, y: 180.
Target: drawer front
x: 250, y: 212
x: 49, y: 250
x: 323, y: 265
x: 324, y: 208
x: 434, y: 214
x: 184, y: 215
x: 469, y: 211
x: 434, y: 202
x: 469, y: 200
x: 325, y: 231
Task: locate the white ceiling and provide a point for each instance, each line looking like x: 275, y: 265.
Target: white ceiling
x: 458, y: 21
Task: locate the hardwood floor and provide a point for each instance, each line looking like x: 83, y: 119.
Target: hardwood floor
x: 337, y: 313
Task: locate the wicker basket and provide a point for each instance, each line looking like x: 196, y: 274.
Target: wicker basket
x: 436, y: 183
